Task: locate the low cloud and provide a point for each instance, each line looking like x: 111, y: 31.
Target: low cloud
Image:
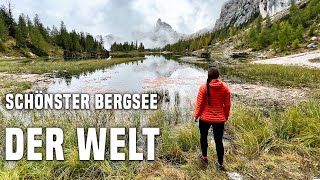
x: 122, y: 17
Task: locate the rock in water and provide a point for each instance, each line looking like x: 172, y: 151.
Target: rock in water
x: 234, y: 176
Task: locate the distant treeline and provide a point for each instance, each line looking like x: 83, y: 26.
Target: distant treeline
x: 285, y: 34
x: 192, y: 44
x: 127, y: 47
x: 33, y: 35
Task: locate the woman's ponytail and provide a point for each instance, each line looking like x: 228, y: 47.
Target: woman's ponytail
x: 208, y: 90
x: 213, y: 73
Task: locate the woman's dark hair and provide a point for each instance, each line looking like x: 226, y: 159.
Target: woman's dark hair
x: 213, y: 73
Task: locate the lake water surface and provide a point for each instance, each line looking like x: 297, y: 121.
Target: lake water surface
x: 155, y: 72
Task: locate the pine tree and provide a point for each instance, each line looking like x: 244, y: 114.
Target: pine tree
x: 64, y: 38
x: 89, y: 43
x: 30, y: 26
x: 295, y: 16
x: 101, y: 43
x: 141, y: 47
x: 274, y: 32
x: 22, y: 32
x: 312, y: 29
x: 7, y: 16
x: 307, y: 14
x: 285, y: 35
x: 258, y: 25
x: 299, y: 33
x: 253, y: 34
x: 39, y: 42
x: 83, y: 41
x: 75, y: 42
x: 295, y: 44
x: 44, y: 32
x: 4, y: 32
x: 268, y: 22
x: 264, y: 39
x: 54, y: 35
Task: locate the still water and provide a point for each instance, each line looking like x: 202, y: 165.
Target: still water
x: 173, y: 75
x: 153, y: 73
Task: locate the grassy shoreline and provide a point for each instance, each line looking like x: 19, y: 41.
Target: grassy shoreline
x: 282, y: 145
x: 56, y: 67
x: 277, y: 147
x: 71, y: 67
x: 270, y: 74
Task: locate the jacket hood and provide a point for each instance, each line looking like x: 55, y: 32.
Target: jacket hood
x: 216, y: 83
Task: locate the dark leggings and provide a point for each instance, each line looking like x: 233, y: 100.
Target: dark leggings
x: 218, y: 129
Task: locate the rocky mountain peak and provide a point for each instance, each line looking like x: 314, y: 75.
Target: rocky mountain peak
x: 160, y: 35
x: 162, y: 26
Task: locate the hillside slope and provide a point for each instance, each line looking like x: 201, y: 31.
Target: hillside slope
x: 265, y: 26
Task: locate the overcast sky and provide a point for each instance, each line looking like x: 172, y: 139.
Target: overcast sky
x: 121, y: 17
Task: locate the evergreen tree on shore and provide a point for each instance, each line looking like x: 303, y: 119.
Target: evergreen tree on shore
x: 6, y: 14
x: 126, y: 46
x: 4, y: 32
x: 22, y: 32
x: 39, y: 38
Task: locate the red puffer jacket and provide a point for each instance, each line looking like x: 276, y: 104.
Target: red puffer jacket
x: 220, y: 100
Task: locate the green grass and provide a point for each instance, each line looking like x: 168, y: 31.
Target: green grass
x: 282, y: 145
x: 279, y: 146
x: 287, y: 76
x: 40, y: 66
x: 11, y: 86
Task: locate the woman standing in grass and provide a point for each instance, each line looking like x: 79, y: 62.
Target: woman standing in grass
x: 213, y: 108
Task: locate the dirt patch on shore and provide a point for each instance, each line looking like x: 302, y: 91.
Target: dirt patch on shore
x: 38, y: 81
x: 302, y: 59
x: 315, y: 60
x: 267, y: 96
x: 262, y: 95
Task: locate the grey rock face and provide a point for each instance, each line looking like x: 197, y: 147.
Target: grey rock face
x: 238, y: 12
x: 272, y: 7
